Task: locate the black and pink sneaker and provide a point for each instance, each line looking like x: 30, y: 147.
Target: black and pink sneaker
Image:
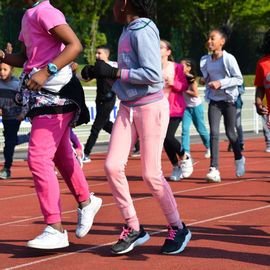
x: 176, y: 241
x: 129, y: 239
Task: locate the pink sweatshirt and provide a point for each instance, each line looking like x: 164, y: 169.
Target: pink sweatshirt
x: 176, y: 97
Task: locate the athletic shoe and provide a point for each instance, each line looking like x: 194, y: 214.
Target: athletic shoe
x: 207, y: 153
x: 213, y: 176
x: 176, y: 174
x: 129, y: 239
x: 240, y: 167
x: 267, y: 149
x: 86, y: 216
x: 50, y: 239
x: 136, y: 153
x: 86, y: 159
x: 176, y: 240
x: 5, y: 173
x: 186, y: 166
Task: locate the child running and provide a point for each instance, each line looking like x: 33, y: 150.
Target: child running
x: 10, y: 112
x: 262, y: 80
x: 143, y: 113
x: 222, y: 76
x: 194, y: 111
x: 47, y: 83
x: 175, y: 84
x: 105, y: 101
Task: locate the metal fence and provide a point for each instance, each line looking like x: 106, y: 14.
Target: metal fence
x: 250, y: 120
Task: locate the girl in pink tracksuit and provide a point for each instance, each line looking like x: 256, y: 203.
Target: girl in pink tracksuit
x: 175, y: 84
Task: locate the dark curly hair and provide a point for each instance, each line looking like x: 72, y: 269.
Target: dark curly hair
x: 225, y: 32
x: 265, y: 48
x: 143, y: 8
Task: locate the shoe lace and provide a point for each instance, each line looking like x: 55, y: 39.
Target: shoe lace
x: 171, y: 233
x: 124, y: 234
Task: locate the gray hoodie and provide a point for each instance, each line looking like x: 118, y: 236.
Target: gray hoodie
x: 140, y: 61
x: 230, y: 83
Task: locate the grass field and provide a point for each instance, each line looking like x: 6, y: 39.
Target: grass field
x: 248, y: 79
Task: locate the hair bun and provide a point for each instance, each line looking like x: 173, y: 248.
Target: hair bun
x: 226, y: 30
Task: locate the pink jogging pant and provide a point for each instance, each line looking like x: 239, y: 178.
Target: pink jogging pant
x: 50, y: 146
x: 149, y: 123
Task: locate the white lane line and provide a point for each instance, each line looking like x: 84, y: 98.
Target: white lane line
x: 98, y: 170
x: 34, y: 193
x: 153, y: 233
x: 137, y: 199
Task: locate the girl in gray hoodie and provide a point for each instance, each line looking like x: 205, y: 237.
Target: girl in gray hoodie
x: 143, y: 114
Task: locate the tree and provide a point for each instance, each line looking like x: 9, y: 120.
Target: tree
x: 193, y: 20
x: 84, y: 17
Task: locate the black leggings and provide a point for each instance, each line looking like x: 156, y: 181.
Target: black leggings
x: 102, y: 121
x: 217, y: 109
x: 171, y: 145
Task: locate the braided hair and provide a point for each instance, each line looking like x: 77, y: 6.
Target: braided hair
x: 143, y: 8
x: 266, y: 43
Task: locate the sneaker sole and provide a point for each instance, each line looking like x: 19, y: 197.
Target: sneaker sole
x: 175, y: 179
x: 86, y: 161
x: 138, y: 242
x: 186, y: 175
x: 47, y: 247
x: 81, y: 235
x: 213, y: 180
x: 187, y: 239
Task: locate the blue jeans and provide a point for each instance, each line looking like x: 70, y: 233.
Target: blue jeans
x: 11, y: 128
x: 195, y: 115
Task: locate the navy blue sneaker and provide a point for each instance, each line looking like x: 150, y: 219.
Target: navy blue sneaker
x: 176, y: 241
x: 129, y: 239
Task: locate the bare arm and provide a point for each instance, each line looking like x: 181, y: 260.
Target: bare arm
x: 73, y: 48
x: 193, y: 89
x: 259, y: 95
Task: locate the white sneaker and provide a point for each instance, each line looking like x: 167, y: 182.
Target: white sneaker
x: 86, y: 159
x: 186, y: 166
x: 240, y: 167
x: 207, y: 153
x: 213, y: 176
x: 50, y: 239
x: 267, y: 149
x: 176, y: 174
x: 86, y: 216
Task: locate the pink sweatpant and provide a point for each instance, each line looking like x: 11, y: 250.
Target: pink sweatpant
x: 150, y: 124
x: 50, y: 146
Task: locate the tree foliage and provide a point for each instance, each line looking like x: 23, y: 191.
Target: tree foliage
x: 84, y: 17
x: 185, y: 23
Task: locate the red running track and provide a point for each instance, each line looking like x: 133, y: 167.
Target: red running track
x: 230, y: 221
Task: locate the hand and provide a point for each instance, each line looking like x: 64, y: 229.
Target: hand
x: 87, y: 73
x: 38, y: 79
x: 104, y: 70
x: 202, y: 81
x: 214, y: 85
x: 169, y: 81
x: 261, y: 109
